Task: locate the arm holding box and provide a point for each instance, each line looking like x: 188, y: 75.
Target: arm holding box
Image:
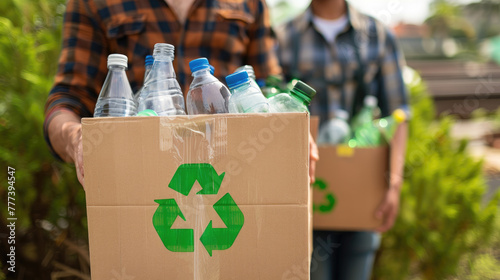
x: 394, y: 89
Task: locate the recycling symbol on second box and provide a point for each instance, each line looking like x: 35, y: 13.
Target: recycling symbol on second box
x: 182, y: 240
x: 329, y: 200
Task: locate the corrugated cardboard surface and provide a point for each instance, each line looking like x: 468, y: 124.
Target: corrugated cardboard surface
x: 129, y: 163
x: 358, y: 182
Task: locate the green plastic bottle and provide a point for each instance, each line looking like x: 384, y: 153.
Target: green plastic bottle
x: 366, y: 114
x: 367, y: 135
x: 388, y: 125
x: 296, y: 101
x: 273, y: 86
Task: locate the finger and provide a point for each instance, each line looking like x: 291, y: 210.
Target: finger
x: 389, y: 219
x: 80, y: 177
x: 312, y: 171
x: 313, y: 150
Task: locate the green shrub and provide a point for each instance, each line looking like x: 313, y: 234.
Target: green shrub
x: 50, y: 204
x: 441, y: 219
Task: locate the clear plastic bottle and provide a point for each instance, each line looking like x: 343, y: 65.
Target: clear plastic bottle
x: 336, y: 130
x: 116, y: 98
x: 296, y: 101
x: 246, y: 96
x: 148, y: 65
x: 388, y: 125
x: 251, y: 73
x: 207, y: 95
x: 162, y: 92
x: 366, y: 114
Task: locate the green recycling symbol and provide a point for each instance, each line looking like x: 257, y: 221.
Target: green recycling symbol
x: 182, y: 240
x: 329, y: 199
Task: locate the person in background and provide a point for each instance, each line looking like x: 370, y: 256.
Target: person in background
x: 346, y: 56
x: 229, y: 33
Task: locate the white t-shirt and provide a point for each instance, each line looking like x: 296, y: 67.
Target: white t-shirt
x: 330, y: 28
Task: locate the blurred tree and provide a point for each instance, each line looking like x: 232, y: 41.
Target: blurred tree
x: 442, y: 221
x: 282, y: 11
x: 51, y: 233
x: 485, y: 16
x: 447, y: 21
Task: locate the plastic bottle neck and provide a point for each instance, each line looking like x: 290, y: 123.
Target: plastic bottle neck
x: 116, y: 68
x: 162, y: 67
x: 202, y: 72
x: 241, y: 87
x: 303, y: 98
x: 163, y: 57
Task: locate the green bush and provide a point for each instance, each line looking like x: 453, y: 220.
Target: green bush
x: 441, y: 220
x: 50, y: 204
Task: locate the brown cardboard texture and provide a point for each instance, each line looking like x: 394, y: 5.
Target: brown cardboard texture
x: 198, y: 197
x: 350, y: 185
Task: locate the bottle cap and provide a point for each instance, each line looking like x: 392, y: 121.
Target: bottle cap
x: 247, y: 68
x: 370, y: 101
x: 399, y: 115
x: 117, y: 59
x: 303, y: 91
x: 149, y: 60
x: 198, y: 64
x: 342, y: 114
x: 237, y: 79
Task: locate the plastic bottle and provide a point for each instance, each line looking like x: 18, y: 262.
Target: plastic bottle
x: 148, y: 64
x: 367, y: 135
x: 251, y: 74
x: 336, y: 130
x: 274, y: 85
x: 115, y: 98
x: 366, y: 114
x: 207, y: 95
x: 388, y: 125
x: 162, y: 92
x: 246, y: 96
x: 296, y: 101
x: 147, y: 113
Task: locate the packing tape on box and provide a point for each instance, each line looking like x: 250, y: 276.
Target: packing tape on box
x: 345, y: 151
x: 194, y: 138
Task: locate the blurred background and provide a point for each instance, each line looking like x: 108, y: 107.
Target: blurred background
x: 449, y: 225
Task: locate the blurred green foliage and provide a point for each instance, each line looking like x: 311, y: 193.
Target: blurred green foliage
x: 442, y: 222
x: 50, y: 204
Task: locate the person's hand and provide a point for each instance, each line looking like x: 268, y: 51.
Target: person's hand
x: 389, y: 208
x: 313, y: 157
x: 75, y: 149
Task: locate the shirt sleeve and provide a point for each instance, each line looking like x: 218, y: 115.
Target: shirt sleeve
x: 393, y: 89
x: 82, y: 65
x: 261, y: 52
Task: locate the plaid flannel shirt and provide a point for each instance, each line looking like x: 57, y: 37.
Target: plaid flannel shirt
x: 332, y: 68
x: 230, y: 33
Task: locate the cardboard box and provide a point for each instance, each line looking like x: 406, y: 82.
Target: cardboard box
x: 350, y: 185
x: 198, y: 197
